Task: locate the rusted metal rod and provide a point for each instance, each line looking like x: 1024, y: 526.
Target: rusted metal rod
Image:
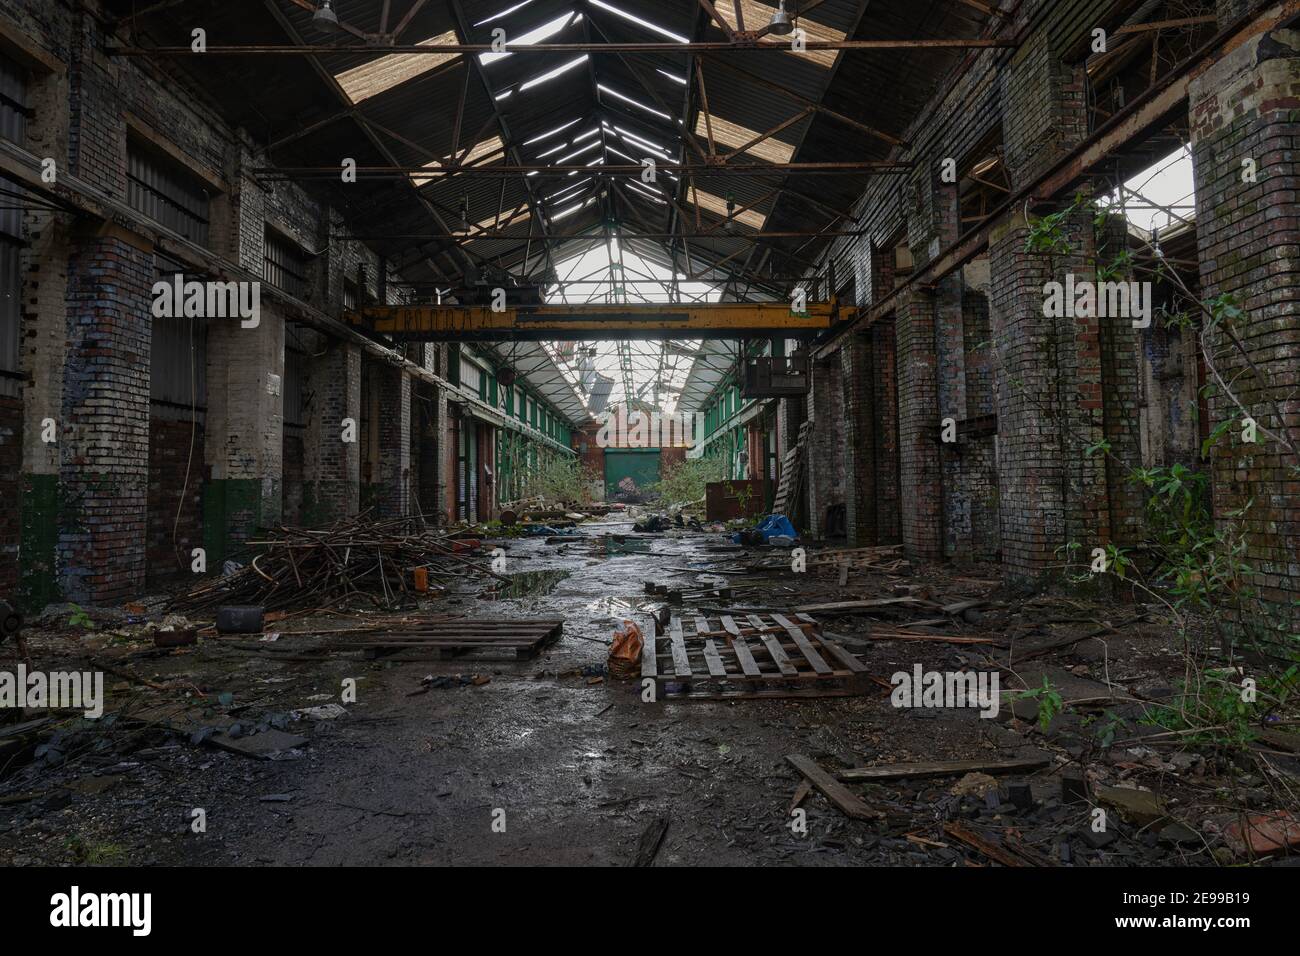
x: 366, y: 49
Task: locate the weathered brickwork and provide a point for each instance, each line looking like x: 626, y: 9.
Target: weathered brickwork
x: 884, y: 369
x: 393, y: 476
x: 105, y: 421
x: 331, y: 466
x: 918, y: 428
x: 858, y: 450
x: 1246, y: 108
x: 11, y: 477
x: 825, y: 453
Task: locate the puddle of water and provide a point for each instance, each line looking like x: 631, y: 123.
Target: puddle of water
x: 612, y: 544
x: 527, y: 584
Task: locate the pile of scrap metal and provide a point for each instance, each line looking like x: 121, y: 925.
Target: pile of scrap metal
x: 384, y: 563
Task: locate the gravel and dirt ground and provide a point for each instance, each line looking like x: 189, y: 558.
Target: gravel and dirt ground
x: 551, y: 761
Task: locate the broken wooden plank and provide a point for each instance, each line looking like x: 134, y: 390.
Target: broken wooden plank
x: 943, y: 768
x: 994, y: 851
x: 714, y: 660
x: 652, y: 837
x: 681, y: 663
x: 805, y: 647
x: 774, y: 648
x: 848, y: 803
x: 846, y: 659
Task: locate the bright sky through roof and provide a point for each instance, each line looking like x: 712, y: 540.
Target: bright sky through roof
x: 532, y: 37
x: 1168, y: 183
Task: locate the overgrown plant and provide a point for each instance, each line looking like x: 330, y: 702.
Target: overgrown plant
x: 685, y: 482
x: 1191, y: 561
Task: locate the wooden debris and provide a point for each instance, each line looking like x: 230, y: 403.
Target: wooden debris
x: 749, y: 657
x: 652, y: 837
x: 994, y: 851
x: 848, y: 803
x: 945, y: 768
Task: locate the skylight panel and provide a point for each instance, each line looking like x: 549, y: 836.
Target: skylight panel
x: 370, y: 79
x: 504, y: 13
x: 713, y: 204
x: 491, y: 148
x: 627, y: 99
x: 771, y: 150
x: 491, y: 224
x: 566, y: 190
x: 558, y: 71
x: 576, y: 153
x: 640, y: 21
x: 554, y: 132
x: 565, y: 213
x: 673, y: 76
x: 532, y: 37
x: 761, y: 13
x: 633, y: 139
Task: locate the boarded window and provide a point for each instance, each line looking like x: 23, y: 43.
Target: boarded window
x: 284, y: 265
x: 178, y: 364
x: 166, y: 192
x: 471, y: 376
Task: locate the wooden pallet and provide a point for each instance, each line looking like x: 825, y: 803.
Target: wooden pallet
x: 750, y: 656
x: 514, y: 640
x: 789, y: 487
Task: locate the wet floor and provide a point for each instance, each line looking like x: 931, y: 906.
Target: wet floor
x: 541, y: 761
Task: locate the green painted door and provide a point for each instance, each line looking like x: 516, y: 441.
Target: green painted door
x: 628, y: 472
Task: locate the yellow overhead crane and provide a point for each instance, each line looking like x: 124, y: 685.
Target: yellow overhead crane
x: 592, y: 321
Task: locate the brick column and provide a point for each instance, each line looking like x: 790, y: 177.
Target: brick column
x: 244, y: 439
x: 104, y: 461
x: 331, y: 466
x: 884, y: 381
x: 1245, y: 107
x: 859, y: 440
x: 1052, y: 387
x: 825, y: 456
x: 921, y: 521
x: 392, y: 494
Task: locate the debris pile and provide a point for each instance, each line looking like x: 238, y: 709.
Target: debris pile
x: 357, y: 560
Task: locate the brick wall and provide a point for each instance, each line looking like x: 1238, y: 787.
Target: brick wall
x: 11, y: 466
x: 105, y: 421
x: 884, y: 377
x: 1249, y: 236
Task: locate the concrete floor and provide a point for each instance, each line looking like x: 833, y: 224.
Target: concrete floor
x: 579, y: 765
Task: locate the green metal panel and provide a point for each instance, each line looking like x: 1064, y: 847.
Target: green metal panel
x: 629, y: 472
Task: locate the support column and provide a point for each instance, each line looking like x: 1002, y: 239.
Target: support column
x: 824, y: 452
x: 1053, y: 391
x: 104, y: 460
x: 1244, y: 108
x: 921, y: 518
x: 332, y: 466
x: 392, y: 478
x: 859, y: 441
x: 244, y: 440
x: 884, y: 380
